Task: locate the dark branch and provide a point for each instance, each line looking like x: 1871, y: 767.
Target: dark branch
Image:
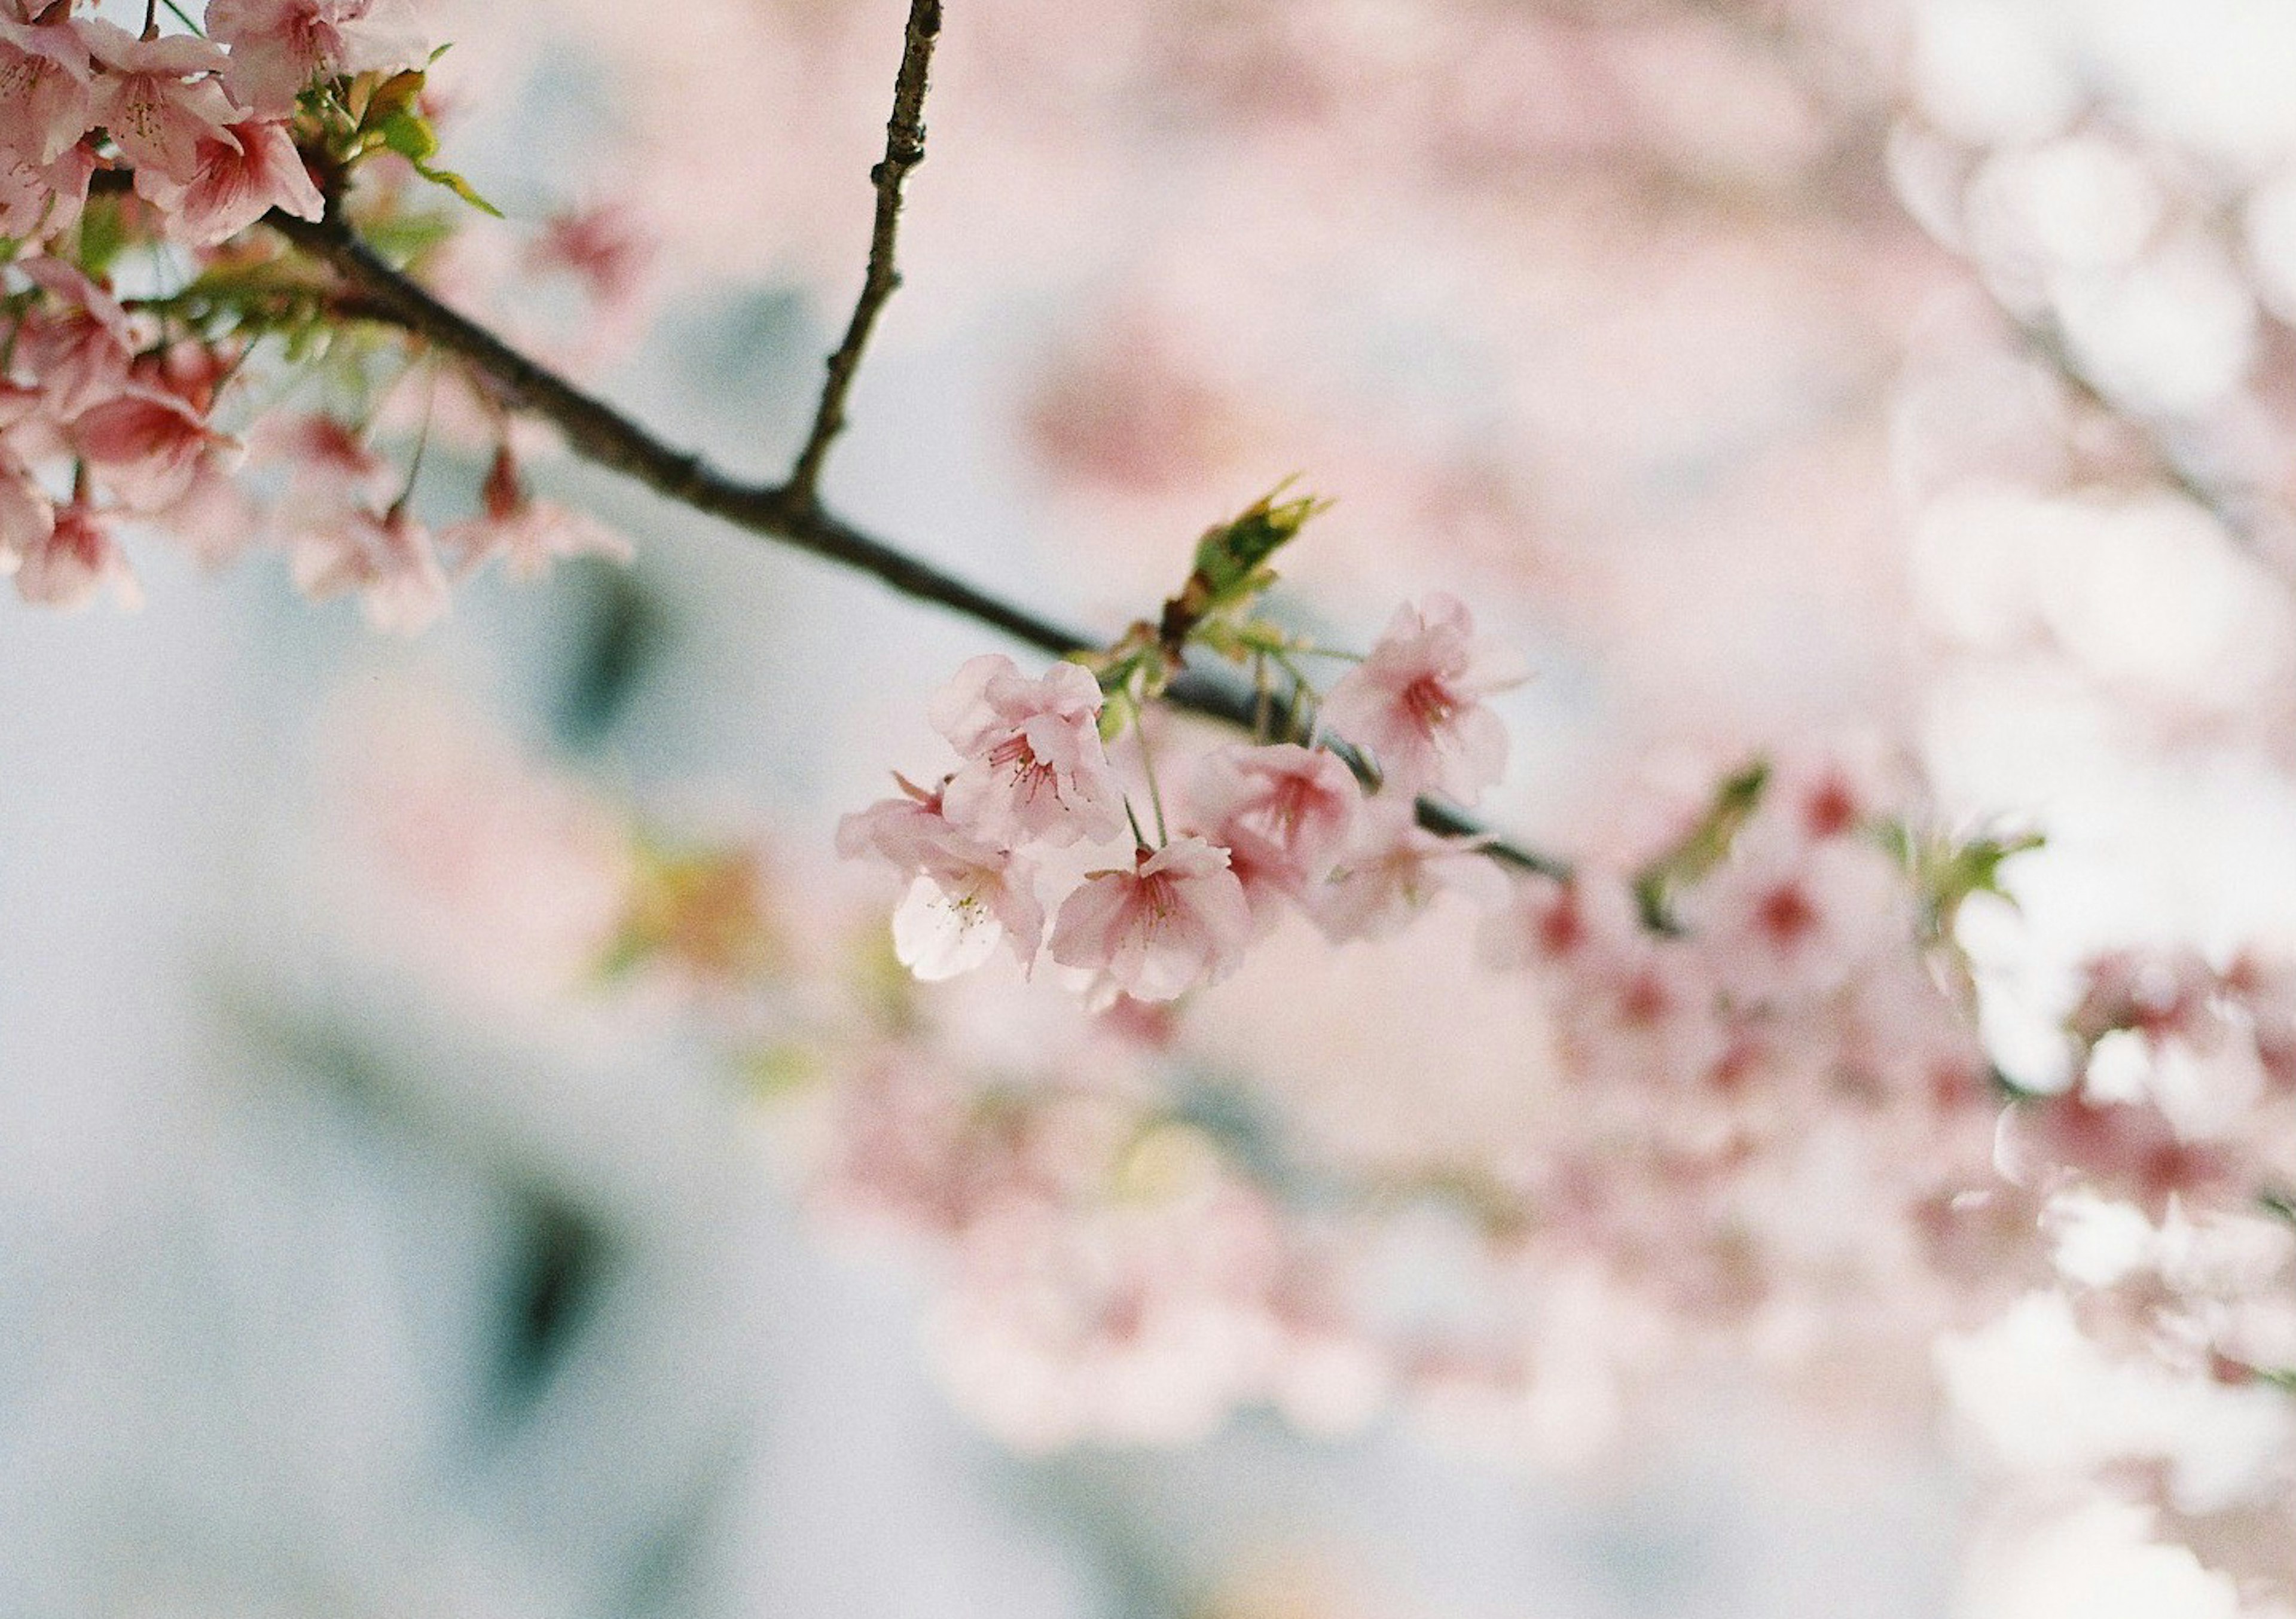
x: 905, y: 149
x: 600, y: 434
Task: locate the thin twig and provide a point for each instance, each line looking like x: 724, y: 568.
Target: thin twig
x: 905, y: 149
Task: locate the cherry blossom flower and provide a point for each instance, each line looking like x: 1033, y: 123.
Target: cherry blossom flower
x: 44, y: 101
x: 76, y: 557
x: 1416, y: 702
x: 2125, y: 1149
x: 603, y: 246
x: 242, y: 172
x: 1175, y: 921
x: 329, y: 467
x: 1034, y: 769
x: 1394, y: 870
x: 81, y: 353
x: 1644, y: 1015
x: 1827, y: 796
x: 147, y: 445
x: 279, y: 47
x: 967, y: 898
x: 215, y: 520
x: 38, y: 202
x: 1133, y: 1323
x: 1284, y: 814
x: 1554, y: 923
x: 528, y: 535
x: 385, y: 557
x: 529, y: 540
x: 1784, y: 920
x: 158, y: 98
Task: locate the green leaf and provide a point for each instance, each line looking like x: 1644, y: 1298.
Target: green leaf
x: 1117, y: 711
x: 102, y: 233
x: 407, y: 132
x: 1231, y: 559
x: 397, y: 97
x: 460, y: 186
x: 1948, y: 871
x: 1705, y: 846
x: 402, y: 238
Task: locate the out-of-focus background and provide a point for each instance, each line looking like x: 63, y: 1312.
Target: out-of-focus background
x: 1915, y: 377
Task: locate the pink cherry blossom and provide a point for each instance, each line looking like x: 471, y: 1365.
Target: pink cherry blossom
x: 279, y: 47
x: 967, y: 897
x: 39, y: 201
x: 2125, y: 1149
x: 385, y: 557
x: 147, y: 446
x: 242, y: 173
x: 1034, y: 769
x: 45, y: 103
x: 1284, y: 814
x: 1827, y: 795
x: 1393, y: 870
x: 76, y: 559
x: 1644, y: 1015
x: 1175, y: 921
x: 528, y: 535
x: 214, y: 520
x: 329, y: 467
x: 1551, y: 922
x: 1416, y: 702
x: 1785, y: 920
x: 603, y: 246
x: 79, y: 355
x: 158, y: 98
x: 529, y: 540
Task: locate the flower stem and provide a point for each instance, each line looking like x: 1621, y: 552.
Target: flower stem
x: 1148, y: 769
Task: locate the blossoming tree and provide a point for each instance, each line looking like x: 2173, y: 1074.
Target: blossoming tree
x: 1770, y: 1104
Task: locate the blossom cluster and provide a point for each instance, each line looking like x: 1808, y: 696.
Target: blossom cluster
x: 1260, y: 830
x: 121, y: 408
x: 1769, y: 1009
x: 1758, y: 1022
x: 202, y: 121
x: 2163, y: 1169
x: 1135, y: 1239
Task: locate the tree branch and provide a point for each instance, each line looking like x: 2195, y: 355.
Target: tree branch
x: 602, y: 435
x: 905, y: 149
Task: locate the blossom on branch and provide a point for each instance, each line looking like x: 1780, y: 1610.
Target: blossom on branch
x: 38, y: 201
x: 1034, y: 769
x: 74, y: 559
x: 528, y: 535
x: 149, y: 446
x: 45, y: 102
x: 967, y: 897
x: 78, y: 348
x: 159, y: 99
x: 385, y: 557
x: 1417, y: 701
x: 1285, y: 813
x: 242, y: 173
x: 1177, y: 921
x: 280, y: 46
x: 1393, y: 870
